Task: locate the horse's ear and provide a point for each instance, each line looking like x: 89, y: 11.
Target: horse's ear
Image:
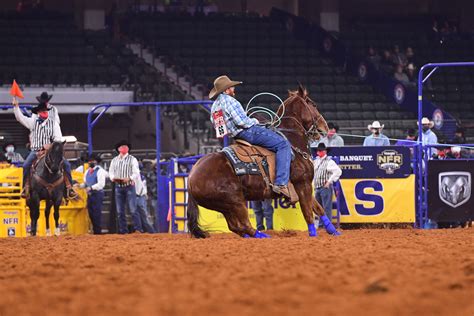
x: 302, y: 90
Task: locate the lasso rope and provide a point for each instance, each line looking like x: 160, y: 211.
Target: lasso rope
x: 275, y: 120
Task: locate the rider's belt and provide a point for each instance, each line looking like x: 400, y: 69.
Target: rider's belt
x: 240, y: 168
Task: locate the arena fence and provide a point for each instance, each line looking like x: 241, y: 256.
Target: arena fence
x: 423, y: 152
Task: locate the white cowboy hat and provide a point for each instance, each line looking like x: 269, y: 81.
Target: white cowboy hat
x: 375, y: 124
x: 221, y: 84
x: 425, y: 120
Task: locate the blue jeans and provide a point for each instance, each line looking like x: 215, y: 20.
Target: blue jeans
x: 324, y: 197
x: 94, y: 206
x: 32, y: 157
x: 145, y: 218
x: 263, y: 209
x: 126, y: 196
x: 261, y: 136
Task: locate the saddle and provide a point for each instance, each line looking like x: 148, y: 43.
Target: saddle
x: 250, y: 159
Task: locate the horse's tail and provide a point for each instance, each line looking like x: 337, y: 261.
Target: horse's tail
x: 193, y: 216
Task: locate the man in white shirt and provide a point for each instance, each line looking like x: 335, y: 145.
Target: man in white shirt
x: 94, y: 183
x: 124, y: 172
x: 326, y: 172
x: 142, y: 207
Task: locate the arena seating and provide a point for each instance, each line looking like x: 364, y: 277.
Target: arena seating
x: 451, y: 88
x: 260, y: 52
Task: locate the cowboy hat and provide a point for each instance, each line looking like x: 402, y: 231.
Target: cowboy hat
x: 426, y: 121
x: 44, y: 97
x: 8, y: 144
x: 321, y: 147
x: 40, y: 108
x: 122, y: 143
x: 221, y: 84
x: 375, y: 124
x: 95, y: 157
x: 411, y: 66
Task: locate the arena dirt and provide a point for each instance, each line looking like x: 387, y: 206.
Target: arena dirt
x: 363, y: 272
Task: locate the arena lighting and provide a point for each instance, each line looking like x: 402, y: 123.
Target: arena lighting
x: 69, y: 139
x: 2, y: 137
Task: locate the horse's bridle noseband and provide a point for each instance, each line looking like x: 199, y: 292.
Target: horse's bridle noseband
x: 313, y: 130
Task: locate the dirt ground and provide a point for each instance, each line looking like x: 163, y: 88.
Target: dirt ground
x: 362, y: 272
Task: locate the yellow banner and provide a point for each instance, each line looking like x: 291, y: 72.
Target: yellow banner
x: 362, y: 201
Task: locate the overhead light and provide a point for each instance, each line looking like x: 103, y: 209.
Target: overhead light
x: 69, y: 139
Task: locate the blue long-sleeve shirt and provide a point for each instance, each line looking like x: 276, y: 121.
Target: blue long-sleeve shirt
x: 380, y: 140
x: 234, y: 115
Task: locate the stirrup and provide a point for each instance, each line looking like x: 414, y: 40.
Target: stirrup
x: 25, y: 192
x: 71, y: 194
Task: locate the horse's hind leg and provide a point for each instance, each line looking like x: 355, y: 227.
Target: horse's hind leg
x: 238, y: 222
x: 57, y: 230
x: 47, y: 211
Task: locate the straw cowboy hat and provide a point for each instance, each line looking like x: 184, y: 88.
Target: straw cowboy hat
x: 221, y: 84
x: 426, y: 121
x: 375, y: 124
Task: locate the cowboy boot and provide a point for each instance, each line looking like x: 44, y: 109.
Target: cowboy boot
x: 25, y: 192
x: 287, y: 192
x: 71, y: 194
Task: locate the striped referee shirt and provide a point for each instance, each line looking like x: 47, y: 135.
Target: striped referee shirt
x: 124, y: 167
x: 325, y: 169
x: 42, y: 132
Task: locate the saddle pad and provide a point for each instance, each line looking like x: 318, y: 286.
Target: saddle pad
x: 240, y: 168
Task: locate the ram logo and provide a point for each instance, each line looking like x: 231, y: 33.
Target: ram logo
x: 455, y: 187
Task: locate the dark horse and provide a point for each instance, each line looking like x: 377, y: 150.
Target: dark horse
x: 47, y: 183
x: 214, y: 185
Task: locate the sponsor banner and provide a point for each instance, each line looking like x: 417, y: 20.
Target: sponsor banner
x: 450, y: 196
x: 11, y: 223
x: 373, y: 162
x: 362, y: 201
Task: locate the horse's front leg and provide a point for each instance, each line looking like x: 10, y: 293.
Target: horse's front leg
x: 305, y: 193
x: 319, y: 210
x: 57, y: 230
x: 33, y: 205
x: 47, y: 211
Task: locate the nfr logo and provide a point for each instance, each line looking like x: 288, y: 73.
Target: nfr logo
x: 362, y: 193
x: 10, y: 221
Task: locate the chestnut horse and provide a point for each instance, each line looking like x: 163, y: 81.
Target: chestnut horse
x: 214, y: 185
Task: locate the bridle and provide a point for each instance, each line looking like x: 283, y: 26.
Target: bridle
x: 48, y: 167
x: 313, y: 130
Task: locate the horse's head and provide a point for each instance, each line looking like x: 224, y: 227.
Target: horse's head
x: 304, y: 110
x: 54, y: 157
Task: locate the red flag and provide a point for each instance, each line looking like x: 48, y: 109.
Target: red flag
x: 15, y: 90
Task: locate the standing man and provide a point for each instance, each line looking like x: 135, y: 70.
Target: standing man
x: 124, y: 173
x: 43, y: 131
x: 263, y: 209
x: 11, y: 155
x: 142, y: 209
x: 229, y: 117
x: 326, y: 172
x: 94, y: 182
x: 331, y: 139
x: 376, y: 138
x: 428, y: 136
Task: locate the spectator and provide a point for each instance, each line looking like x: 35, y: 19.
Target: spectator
x: 376, y: 138
x: 428, y: 137
x: 10, y: 154
x: 94, y: 183
x: 400, y: 75
x: 386, y: 63
x: 263, y: 209
x: 142, y: 206
x: 331, y: 139
x: 373, y: 57
x: 326, y: 173
x: 124, y: 172
x: 459, y: 137
x: 410, y: 139
x: 412, y: 76
x: 398, y: 58
x: 410, y: 56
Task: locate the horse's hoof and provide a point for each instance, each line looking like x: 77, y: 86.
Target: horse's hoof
x: 336, y: 233
x: 260, y: 235
x: 246, y: 236
x: 57, y: 232
x: 312, y: 230
x: 48, y: 232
